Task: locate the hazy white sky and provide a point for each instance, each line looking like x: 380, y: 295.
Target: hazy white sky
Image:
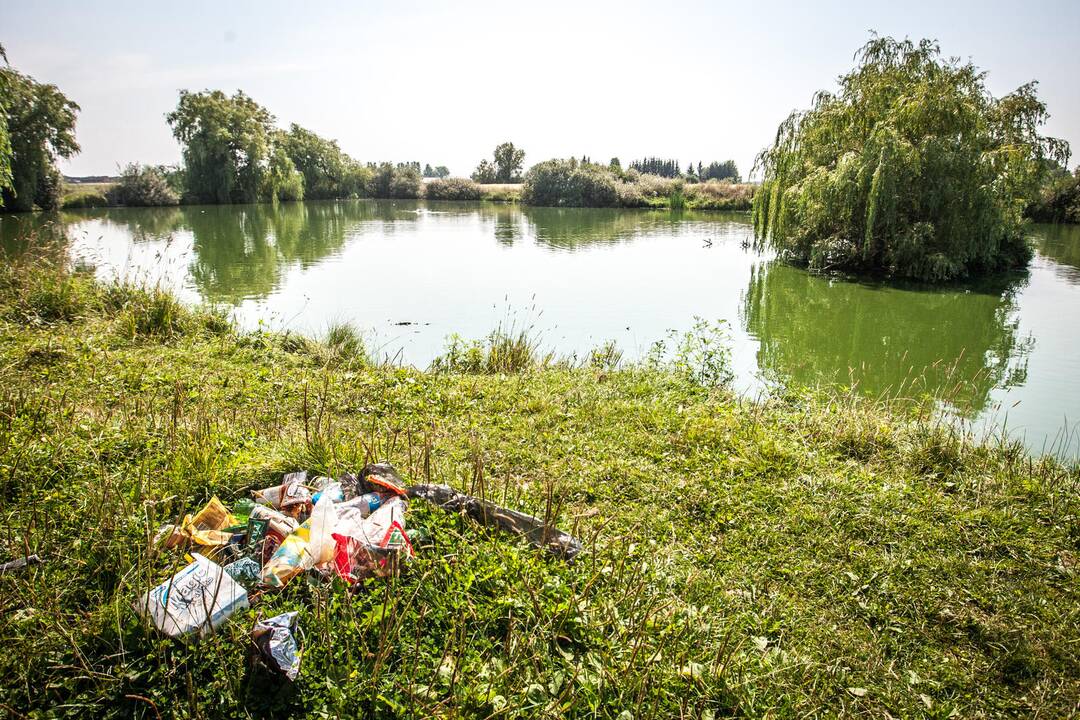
x: 443, y: 83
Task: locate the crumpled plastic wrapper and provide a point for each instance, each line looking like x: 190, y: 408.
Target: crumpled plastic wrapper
x: 276, y: 641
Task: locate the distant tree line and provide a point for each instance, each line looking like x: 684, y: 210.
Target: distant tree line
x: 656, y: 166
x: 581, y: 183
x: 726, y: 170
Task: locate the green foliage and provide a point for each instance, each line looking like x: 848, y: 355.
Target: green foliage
x: 677, y: 199
x: 726, y: 170
x: 702, y: 354
x: 86, y: 199
x: 437, y: 172
x: 344, y: 345
x: 504, y: 352
x: 229, y: 148
x: 569, y: 183
x: 1058, y: 200
x: 912, y: 169
x: 505, y: 169
x: 400, y: 181
x: 656, y: 166
x: 508, y: 162
x: 141, y: 186
x: 282, y: 180
x: 328, y: 172
x: 5, y: 135
x: 452, y: 189
x: 37, y: 126
x: 484, y: 173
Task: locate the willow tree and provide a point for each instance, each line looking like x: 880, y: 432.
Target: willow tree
x: 911, y: 169
x: 37, y: 127
x: 5, y: 138
x: 232, y: 150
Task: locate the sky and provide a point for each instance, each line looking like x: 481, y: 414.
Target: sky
x: 444, y: 82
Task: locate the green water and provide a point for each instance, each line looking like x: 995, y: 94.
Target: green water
x: 1002, y: 352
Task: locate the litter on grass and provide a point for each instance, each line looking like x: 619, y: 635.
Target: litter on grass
x: 197, y: 599
x: 352, y: 527
x: 276, y: 641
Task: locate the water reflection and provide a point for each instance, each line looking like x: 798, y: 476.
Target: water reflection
x: 960, y: 343
x: 571, y: 229
x: 594, y: 275
x: 1060, y: 243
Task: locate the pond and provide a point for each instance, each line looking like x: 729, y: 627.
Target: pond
x: 1003, y: 352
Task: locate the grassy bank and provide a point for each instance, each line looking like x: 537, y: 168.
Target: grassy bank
x: 803, y: 555
x: 501, y: 192
x: 79, y: 195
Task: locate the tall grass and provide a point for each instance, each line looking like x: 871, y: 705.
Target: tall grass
x: 805, y: 554
x: 505, y: 351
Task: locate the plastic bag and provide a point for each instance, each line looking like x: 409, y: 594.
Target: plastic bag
x: 321, y: 543
x: 199, y: 598
x: 279, y: 522
x: 380, y: 477
x: 331, y: 490
x: 372, y: 546
x: 276, y: 642
x: 288, y: 560
x: 245, y: 571
x: 309, y: 546
x: 290, y: 494
x: 206, y: 528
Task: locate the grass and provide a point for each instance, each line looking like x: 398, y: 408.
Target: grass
x: 810, y: 554
x: 72, y: 189
x: 501, y: 192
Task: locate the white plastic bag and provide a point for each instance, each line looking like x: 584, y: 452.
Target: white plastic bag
x: 199, y: 598
x: 324, y: 520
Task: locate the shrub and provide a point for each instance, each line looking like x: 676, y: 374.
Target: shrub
x: 912, y: 169
x: 452, y: 189
x: 50, y: 188
x: 1059, y: 200
x: 401, y: 181
x: 654, y: 188
x: 720, y: 195
x: 568, y: 183
x: 142, y: 186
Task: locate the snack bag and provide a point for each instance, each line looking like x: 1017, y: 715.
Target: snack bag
x: 206, y: 528
x: 290, y: 494
x: 276, y: 641
x: 288, y: 560
x: 279, y: 522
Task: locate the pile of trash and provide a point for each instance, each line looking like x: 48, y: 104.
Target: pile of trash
x: 352, y: 527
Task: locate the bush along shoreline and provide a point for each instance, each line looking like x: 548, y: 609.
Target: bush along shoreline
x: 806, y: 553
